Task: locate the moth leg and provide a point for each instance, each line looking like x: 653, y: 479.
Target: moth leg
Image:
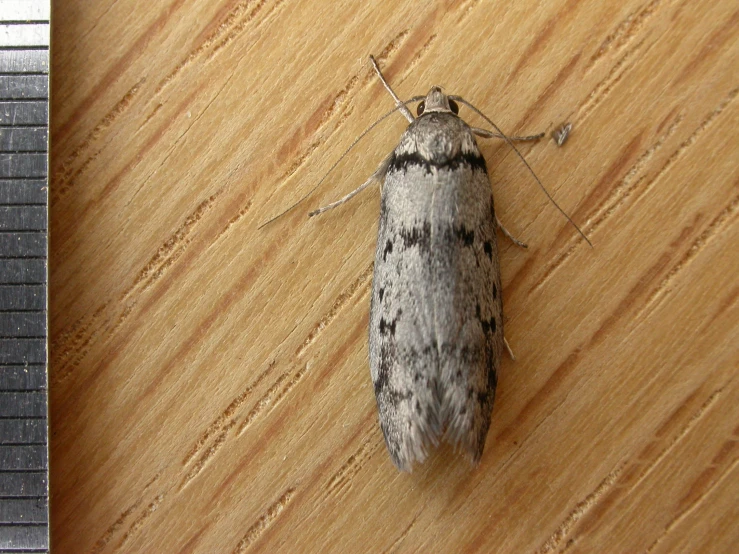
x: 514, y: 240
x: 508, y: 347
x: 377, y: 176
x: 489, y: 134
x: 561, y: 133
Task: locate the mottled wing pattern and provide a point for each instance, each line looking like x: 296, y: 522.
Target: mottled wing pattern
x: 435, y: 324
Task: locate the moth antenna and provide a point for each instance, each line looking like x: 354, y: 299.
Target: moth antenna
x: 353, y: 144
x: 510, y: 143
x: 398, y: 103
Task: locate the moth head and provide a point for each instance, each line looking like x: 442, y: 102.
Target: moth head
x: 437, y: 101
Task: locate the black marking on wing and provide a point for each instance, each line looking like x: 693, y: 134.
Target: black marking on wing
x: 388, y: 249
x: 395, y: 396
x: 388, y: 353
x: 489, y: 326
x: 416, y: 236
x: 483, y: 396
x: 420, y: 236
x: 383, y: 212
x: 466, y: 235
x: 401, y: 162
x: 387, y: 327
x: 492, y: 374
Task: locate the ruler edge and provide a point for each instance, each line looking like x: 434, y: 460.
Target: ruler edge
x: 45, y: 8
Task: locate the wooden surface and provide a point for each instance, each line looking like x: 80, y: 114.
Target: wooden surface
x: 210, y: 389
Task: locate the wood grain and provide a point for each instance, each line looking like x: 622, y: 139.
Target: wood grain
x: 210, y: 389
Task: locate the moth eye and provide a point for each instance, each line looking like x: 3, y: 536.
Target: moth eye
x: 421, y: 107
x: 454, y: 107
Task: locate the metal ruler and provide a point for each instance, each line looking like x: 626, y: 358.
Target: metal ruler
x: 24, y: 137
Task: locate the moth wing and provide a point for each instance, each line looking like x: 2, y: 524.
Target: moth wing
x: 435, y: 323
x: 404, y: 358
x: 470, y: 303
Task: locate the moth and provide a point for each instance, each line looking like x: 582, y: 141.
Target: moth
x: 436, y: 314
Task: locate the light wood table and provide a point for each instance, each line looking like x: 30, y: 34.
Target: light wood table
x: 210, y: 389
